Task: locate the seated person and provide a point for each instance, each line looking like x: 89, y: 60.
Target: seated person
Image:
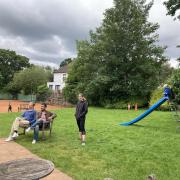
x: 42, y: 116
x: 27, y: 118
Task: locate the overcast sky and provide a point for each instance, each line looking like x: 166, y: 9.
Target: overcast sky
x: 46, y: 30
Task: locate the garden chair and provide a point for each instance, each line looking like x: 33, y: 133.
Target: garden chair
x: 46, y: 126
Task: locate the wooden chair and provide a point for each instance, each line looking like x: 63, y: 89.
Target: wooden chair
x: 46, y: 126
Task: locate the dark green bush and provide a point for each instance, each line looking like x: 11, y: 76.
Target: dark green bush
x: 175, y: 81
x: 156, y: 96
x: 70, y: 95
x: 123, y: 104
x: 43, y: 92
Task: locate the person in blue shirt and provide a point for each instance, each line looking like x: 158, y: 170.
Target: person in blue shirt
x: 168, y: 92
x: 27, y: 118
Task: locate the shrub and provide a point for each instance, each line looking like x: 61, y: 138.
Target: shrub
x: 122, y: 104
x: 156, y: 96
x: 70, y: 94
x: 175, y: 80
x: 43, y: 92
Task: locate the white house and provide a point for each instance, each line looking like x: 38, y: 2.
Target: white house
x: 59, y: 79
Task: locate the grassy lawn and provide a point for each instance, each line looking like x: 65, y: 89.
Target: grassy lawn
x: 111, y: 151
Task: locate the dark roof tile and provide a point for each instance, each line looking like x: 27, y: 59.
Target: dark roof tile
x: 63, y: 69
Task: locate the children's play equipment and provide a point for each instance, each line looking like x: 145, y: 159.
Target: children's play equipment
x: 152, y: 108
x: 167, y: 92
x: 174, y: 112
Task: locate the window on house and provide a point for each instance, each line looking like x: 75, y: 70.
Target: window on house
x: 57, y: 87
x: 50, y: 86
x: 64, y: 77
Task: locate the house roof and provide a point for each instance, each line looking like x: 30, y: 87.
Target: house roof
x: 63, y: 69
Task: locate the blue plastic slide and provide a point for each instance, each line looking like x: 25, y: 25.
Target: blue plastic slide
x: 152, y: 108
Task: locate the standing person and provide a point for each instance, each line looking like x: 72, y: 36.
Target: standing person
x: 42, y: 116
x: 168, y: 92
x: 81, y: 111
x: 27, y: 118
x: 9, y: 108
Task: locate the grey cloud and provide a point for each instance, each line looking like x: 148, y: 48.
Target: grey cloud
x: 43, y: 18
x: 168, y: 31
x: 46, y: 30
x: 37, y: 22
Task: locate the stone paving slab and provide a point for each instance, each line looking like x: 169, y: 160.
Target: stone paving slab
x: 11, y: 151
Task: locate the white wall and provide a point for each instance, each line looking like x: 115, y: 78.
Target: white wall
x: 58, y: 81
x: 57, y: 77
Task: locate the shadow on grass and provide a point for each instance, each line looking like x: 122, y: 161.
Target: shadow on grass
x: 137, y: 125
x: 167, y: 128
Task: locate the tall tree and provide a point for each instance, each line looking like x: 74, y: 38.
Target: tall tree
x: 122, y: 58
x: 66, y: 62
x: 10, y: 63
x: 173, y: 6
x: 165, y: 73
x: 49, y: 71
x: 28, y: 80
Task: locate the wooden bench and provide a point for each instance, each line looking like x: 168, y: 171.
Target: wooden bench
x: 46, y: 126
x: 23, y: 107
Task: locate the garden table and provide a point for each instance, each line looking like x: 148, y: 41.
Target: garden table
x: 25, y: 169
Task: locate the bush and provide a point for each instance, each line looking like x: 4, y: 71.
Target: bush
x: 43, y: 92
x: 175, y: 81
x: 70, y: 94
x: 156, y: 96
x: 122, y: 104
x: 117, y: 105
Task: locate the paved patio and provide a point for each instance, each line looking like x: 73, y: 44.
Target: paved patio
x: 12, y: 150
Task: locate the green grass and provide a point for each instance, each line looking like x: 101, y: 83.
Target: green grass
x: 117, y: 152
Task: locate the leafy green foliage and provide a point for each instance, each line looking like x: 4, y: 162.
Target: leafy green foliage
x: 123, y: 104
x: 156, y: 96
x: 175, y: 81
x: 10, y: 63
x: 121, y: 60
x: 12, y: 88
x: 173, y: 6
x: 66, y: 62
x: 43, y: 92
x: 49, y: 72
x: 165, y: 73
x: 28, y: 80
